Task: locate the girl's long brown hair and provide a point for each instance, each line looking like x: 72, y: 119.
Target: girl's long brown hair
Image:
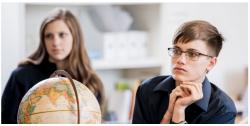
x: 78, y: 62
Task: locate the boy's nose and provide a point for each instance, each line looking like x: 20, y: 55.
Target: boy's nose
x: 182, y: 59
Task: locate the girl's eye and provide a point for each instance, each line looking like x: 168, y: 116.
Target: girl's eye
x: 62, y: 34
x: 48, y: 36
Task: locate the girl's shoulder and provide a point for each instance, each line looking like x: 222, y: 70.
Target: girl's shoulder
x: 25, y: 70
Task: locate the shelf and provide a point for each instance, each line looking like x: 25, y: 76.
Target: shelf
x: 87, y: 3
x: 125, y: 64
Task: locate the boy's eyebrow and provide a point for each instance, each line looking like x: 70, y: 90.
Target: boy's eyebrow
x: 191, y: 49
x: 177, y: 47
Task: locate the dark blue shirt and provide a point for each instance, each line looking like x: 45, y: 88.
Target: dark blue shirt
x: 152, y: 98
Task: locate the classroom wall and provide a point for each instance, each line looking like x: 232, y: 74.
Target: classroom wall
x: 12, y: 39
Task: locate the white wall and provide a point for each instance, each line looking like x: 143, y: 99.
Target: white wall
x: 12, y: 41
x: 231, y: 19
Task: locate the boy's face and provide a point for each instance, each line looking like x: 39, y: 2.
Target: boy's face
x: 188, y: 70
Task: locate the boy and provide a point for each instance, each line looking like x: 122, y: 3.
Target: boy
x: 187, y: 96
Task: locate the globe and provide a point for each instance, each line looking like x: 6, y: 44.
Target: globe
x: 54, y: 101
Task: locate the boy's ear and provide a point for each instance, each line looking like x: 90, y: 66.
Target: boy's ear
x: 212, y: 63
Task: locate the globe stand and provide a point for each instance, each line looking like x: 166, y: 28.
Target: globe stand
x: 62, y: 72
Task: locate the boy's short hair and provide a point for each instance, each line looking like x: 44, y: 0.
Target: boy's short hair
x: 200, y: 30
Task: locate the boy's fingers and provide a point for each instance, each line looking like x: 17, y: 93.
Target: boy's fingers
x: 198, y: 86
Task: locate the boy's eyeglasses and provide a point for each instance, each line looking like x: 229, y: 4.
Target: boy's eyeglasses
x: 189, y: 55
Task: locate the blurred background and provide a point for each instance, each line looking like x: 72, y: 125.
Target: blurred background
x: 127, y: 43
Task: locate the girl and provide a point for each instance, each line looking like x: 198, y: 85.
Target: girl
x: 61, y: 47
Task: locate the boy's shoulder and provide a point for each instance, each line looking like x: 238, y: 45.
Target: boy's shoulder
x: 222, y: 99
x: 148, y: 85
x: 153, y: 81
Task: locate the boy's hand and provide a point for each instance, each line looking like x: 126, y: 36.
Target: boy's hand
x: 196, y: 93
x: 176, y: 93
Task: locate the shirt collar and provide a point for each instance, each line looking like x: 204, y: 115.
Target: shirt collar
x: 206, y: 88
x: 168, y: 85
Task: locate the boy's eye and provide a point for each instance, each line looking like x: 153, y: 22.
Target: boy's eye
x: 192, y: 54
x: 176, y: 51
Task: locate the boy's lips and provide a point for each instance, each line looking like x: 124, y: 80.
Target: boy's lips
x: 180, y: 69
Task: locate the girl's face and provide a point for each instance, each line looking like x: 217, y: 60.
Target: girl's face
x: 58, y: 40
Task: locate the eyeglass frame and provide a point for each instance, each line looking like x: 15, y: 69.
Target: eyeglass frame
x: 186, y: 54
